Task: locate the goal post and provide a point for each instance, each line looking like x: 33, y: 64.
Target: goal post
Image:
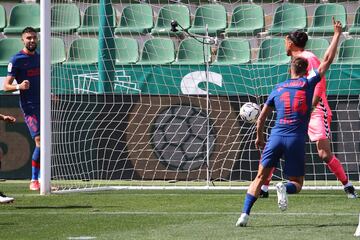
x: 138, y: 106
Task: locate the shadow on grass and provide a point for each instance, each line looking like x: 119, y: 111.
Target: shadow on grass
x: 311, y: 225
x: 53, y: 207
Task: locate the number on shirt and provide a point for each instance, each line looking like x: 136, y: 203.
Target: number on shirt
x: 298, y: 105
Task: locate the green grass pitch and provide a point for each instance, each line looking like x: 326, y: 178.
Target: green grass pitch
x: 175, y: 214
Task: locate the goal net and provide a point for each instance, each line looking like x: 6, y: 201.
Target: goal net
x: 137, y: 105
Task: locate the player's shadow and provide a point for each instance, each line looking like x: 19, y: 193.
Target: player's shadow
x: 53, y: 207
x: 311, y: 225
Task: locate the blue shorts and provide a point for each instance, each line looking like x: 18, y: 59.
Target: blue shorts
x: 292, y: 149
x: 32, y: 120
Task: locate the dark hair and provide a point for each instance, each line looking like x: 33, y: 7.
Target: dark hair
x: 299, y: 38
x: 28, y: 30
x: 299, y: 65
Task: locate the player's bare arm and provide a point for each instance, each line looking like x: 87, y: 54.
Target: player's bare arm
x: 260, y: 123
x: 6, y: 118
x: 331, y: 51
x: 9, y: 87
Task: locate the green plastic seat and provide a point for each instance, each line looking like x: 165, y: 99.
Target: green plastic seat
x: 246, y: 20
x: 214, y: 15
x: 2, y: 18
x: 167, y: 13
x: 233, y: 51
x: 158, y: 51
x: 65, y: 18
x: 322, y: 21
x: 190, y: 51
x: 23, y: 15
x: 317, y: 46
x: 288, y: 17
x: 136, y: 19
x: 355, y: 28
x: 349, y: 52
x: 272, y: 51
x: 90, y: 20
x: 83, y: 51
x: 127, y: 51
x: 8, y: 48
x: 58, y: 54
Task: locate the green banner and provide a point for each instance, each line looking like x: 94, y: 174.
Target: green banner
x: 247, y: 79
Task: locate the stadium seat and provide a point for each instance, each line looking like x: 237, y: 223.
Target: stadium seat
x: 318, y: 46
x: 272, y: 51
x: 58, y: 54
x: 355, y: 28
x: 83, y: 51
x: 2, y: 18
x: 288, y: 17
x: 191, y: 52
x: 322, y: 20
x: 214, y: 15
x: 158, y: 51
x: 349, y: 52
x: 127, y: 51
x: 167, y: 13
x: 246, y: 20
x: 23, y: 15
x: 135, y: 19
x: 9, y: 47
x: 90, y: 20
x: 65, y: 18
x: 233, y: 51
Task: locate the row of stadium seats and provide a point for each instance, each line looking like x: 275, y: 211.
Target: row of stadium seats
x: 190, y: 51
x: 246, y: 20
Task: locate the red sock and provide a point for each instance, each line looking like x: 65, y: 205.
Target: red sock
x: 335, y: 166
x: 267, y: 182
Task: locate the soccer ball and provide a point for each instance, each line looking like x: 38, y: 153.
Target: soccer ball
x: 249, y: 112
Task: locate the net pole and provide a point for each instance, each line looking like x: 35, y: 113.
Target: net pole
x: 106, y: 52
x: 207, y: 106
x: 45, y: 97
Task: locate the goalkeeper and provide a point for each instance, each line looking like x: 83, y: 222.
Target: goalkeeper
x: 3, y: 197
x: 292, y: 100
x: 319, y: 125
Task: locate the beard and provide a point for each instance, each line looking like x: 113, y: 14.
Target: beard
x: 31, y: 47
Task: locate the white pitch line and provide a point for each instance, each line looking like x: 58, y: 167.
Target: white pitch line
x: 178, y: 213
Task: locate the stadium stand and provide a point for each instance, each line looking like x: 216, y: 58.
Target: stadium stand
x: 90, y: 20
x: 318, y: 46
x: 158, y: 51
x: 246, y: 20
x: 8, y: 47
x: 190, y: 51
x: 322, y: 21
x: 83, y: 51
x: 214, y: 15
x: 288, y: 17
x: 136, y: 19
x: 272, y: 51
x: 355, y: 28
x: 167, y: 13
x: 126, y: 51
x: 23, y: 15
x: 2, y: 18
x: 65, y: 18
x: 233, y: 51
x: 350, y: 51
x: 58, y: 54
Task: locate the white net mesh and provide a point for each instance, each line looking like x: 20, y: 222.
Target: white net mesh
x: 163, y: 109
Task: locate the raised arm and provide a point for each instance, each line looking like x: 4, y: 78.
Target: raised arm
x: 260, y: 123
x: 331, y: 51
